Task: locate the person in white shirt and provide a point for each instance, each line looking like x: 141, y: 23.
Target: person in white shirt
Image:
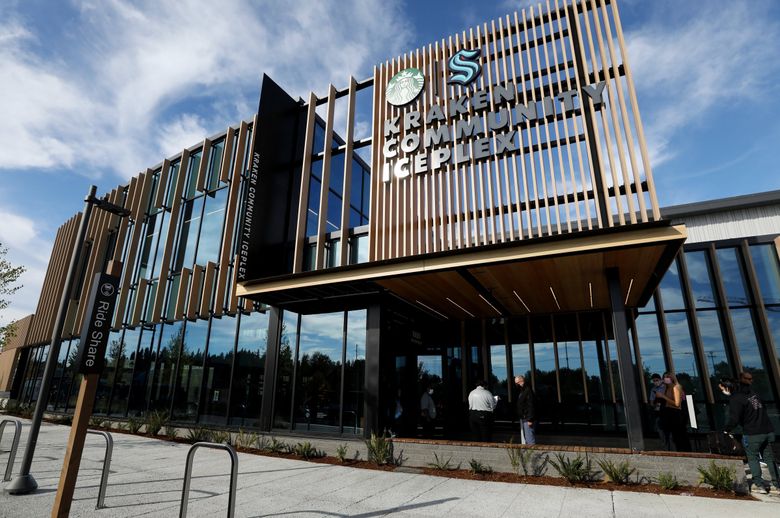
x: 427, y: 411
x: 481, y: 406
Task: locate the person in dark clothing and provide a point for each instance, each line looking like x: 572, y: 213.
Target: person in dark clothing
x: 747, y: 411
x: 674, y: 415
x: 525, y: 409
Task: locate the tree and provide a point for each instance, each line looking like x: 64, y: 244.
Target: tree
x: 9, y: 274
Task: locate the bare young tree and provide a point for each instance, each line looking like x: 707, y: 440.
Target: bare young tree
x: 9, y: 274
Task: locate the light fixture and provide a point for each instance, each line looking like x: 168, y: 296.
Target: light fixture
x: 489, y: 304
x: 630, y: 284
x: 426, y: 306
x: 521, y: 301
x: 469, y: 313
x: 555, y: 298
x: 590, y: 292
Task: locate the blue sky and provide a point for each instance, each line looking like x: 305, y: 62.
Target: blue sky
x: 95, y: 91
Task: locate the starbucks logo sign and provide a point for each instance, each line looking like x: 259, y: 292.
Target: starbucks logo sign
x: 405, y: 86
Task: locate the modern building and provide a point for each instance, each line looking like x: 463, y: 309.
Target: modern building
x: 490, y: 211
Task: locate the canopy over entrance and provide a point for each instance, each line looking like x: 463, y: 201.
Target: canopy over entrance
x: 546, y: 275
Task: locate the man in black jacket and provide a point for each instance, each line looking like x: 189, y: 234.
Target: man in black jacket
x: 525, y: 409
x: 746, y: 410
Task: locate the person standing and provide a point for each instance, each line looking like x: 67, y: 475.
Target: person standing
x: 525, y: 409
x: 656, y: 404
x: 747, y: 410
x: 481, y: 406
x: 673, y: 413
x: 427, y: 412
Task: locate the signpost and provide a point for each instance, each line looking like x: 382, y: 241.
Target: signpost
x: 89, y: 362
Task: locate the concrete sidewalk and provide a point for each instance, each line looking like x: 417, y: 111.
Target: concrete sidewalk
x: 146, y: 480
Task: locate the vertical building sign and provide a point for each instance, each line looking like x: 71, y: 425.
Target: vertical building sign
x: 96, y: 329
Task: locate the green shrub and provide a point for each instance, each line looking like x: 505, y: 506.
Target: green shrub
x: 222, y: 437
x: 155, y: 421
x: 478, y: 468
x: 530, y: 460
x: 721, y: 478
x: 277, y: 446
x: 96, y: 422
x: 341, y: 453
x: 306, y: 451
x: 574, y: 470
x: 133, y: 424
x: 667, y: 480
x: 443, y: 465
x: 380, y: 449
x: 617, y: 472
x: 198, y: 434
x: 245, y: 439
x: 171, y: 431
x: 262, y: 443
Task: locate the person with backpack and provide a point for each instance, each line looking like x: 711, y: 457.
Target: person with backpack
x: 747, y: 411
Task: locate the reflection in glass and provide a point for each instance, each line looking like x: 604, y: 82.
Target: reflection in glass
x: 714, y: 348
x: 699, y: 278
x: 318, y: 372
x: 681, y: 347
x: 732, y: 276
x: 113, y: 353
x: 191, y: 213
x: 743, y: 321
x: 773, y: 317
x: 165, y: 367
x: 211, y: 228
x: 124, y: 372
x: 222, y: 337
x: 249, y: 376
x: 671, y: 291
x: 284, y: 370
x: 767, y: 271
x: 190, y: 371
x: 354, y: 372
x: 144, y: 371
x: 650, y: 346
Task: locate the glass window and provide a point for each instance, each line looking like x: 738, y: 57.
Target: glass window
x: 337, y: 174
x: 211, y: 229
x: 219, y: 363
x: 284, y: 370
x: 743, y: 321
x: 355, y: 373
x: 63, y: 387
x: 173, y: 178
x: 192, y: 175
x: 318, y: 373
x: 681, y: 347
x: 319, y: 138
x: 711, y: 332
x: 773, y: 317
x: 191, y: 214
x: 165, y: 367
x: 767, y: 272
x: 144, y: 371
x: 569, y: 362
x: 106, y: 381
x: 152, y: 230
x: 358, y: 249
x: 249, y: 376
x: 671, y: 292
x: 732, y: 275
x: 650, y: 346
x: 314, y: 198
x: 187, y: 397
x: 596, y: 369
x: 124, y: 372
x: 215, y: 163
x: 699, y: 277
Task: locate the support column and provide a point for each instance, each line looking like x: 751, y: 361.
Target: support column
x: 628, y: 382
x: 271, y: 360
x: 373, y: 401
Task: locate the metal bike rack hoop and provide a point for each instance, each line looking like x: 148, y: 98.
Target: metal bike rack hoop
x: 188, y: 475
x: 14, y: 445
x: 106, y: 465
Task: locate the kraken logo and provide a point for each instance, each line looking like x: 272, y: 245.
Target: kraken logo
x: 405, y: 86
x: 464, y: 66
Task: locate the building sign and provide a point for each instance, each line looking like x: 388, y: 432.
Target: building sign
x: 405, y: 86
x: 474, y: 126
x: 96, y: 330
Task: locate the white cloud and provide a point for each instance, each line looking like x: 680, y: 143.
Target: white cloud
x: 683, y: 71
x: 145, y: 77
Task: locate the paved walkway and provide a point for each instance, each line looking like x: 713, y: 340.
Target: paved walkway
x: 146, y: 480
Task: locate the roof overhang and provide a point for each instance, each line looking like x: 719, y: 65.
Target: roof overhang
x: 556, y: 273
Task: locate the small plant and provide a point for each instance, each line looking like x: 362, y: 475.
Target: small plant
x: 155, y: 421
x: 478, y: 468
x: 277, y: 446
x: 198, y: 434
x: 245, y: 439
x: 721, y: 478
x: 617, y: 472
x: 443, y: 465
x: 133, y: 425
x: 96, y: 422
x: 306, y: 451
x: 262, y: 443
x: 667, y: 480
x: 341, y: 453
x: 380, y: 449
x: 514, y: 455
x: 222, y: 437
x: 67, y: 420
x: 171, y: 431
x: 574, y: 470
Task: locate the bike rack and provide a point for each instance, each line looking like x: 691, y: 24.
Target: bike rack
x: 188, y: 475
x: 14, y: 446
x: 106, y: 465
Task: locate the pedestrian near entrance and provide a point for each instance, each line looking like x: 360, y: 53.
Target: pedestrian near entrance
x: 656, y: 404
x: 481, y: 406
x: 674, y: 418
x: 427, y: 412
x: 525, y: 409
x: 747, y: 411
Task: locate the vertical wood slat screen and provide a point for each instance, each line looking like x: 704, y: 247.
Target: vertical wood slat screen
x: 581, y: 169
